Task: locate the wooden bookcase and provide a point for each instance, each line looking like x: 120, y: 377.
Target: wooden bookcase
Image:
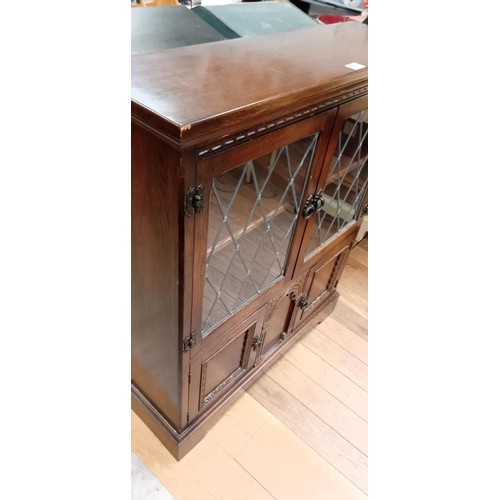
x: 249, y: 176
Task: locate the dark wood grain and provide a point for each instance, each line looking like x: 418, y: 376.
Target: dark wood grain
x: 209, y: 90
x: 155, y: 267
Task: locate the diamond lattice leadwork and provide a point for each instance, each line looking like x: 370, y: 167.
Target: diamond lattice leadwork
x: 252, y: 215
x: 346, y: 183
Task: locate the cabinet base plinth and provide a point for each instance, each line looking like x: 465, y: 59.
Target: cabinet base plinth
x: 179, y: 444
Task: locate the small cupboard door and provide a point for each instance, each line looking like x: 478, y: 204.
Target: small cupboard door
x: 321, y: 285
x: 225, y: 357
x: 280, y: 318
x: 333, y: 209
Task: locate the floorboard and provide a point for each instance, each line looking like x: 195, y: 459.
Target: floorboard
x: 350, y: 318
x: 300, y: 419
x: 290, y: 469
x: 338, y: 357
x: 328, y: 408
x: 345, y: 338
x: 330, y: 379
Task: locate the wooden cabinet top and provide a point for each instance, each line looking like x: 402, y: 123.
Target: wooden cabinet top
x: 196, y: 94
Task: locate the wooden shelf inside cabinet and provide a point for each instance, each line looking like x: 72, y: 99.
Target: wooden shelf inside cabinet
x: 264, y: 178
x: 247, y: 229
x: 342, y: 173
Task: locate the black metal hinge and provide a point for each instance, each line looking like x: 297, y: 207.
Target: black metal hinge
x: 194, y: 201
x: 189, y: 342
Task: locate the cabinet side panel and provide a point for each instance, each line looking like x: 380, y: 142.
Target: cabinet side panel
x: 155, y: 271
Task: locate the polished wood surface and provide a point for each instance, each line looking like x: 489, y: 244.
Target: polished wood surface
x: 182, y: 374
x: 190, y: 92
x: 155, y: 260
x: 297, y: 432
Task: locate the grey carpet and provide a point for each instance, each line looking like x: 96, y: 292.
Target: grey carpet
x: 145, y: 486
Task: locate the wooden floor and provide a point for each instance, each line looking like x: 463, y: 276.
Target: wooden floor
x: 300, y: 431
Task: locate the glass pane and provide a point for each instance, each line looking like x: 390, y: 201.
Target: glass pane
x: 346, y: 182
x: 252, y: 215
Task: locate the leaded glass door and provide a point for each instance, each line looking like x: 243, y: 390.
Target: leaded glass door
x: 343, y: 185
x: 248, y: 234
